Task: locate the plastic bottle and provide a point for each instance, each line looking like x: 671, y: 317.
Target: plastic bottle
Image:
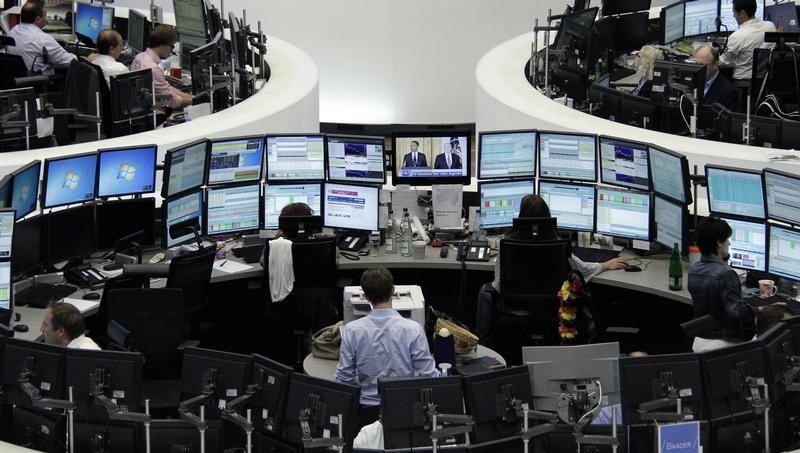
x: 405, y: 225
x: 675, y: 270
x: 391, y: 233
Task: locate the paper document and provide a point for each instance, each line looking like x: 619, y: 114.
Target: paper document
x: 447, y: 205
x: 230, y: 266
x: 83, y: 306
x: 406, y: 197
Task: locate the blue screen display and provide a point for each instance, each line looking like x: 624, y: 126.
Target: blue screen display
x: 25, y: 190
x: 126, y: 171
x: 70, y: 180
x: 90, y: 20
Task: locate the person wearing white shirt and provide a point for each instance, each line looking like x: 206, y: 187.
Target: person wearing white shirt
x: 39, y: 51
x: 747, y: 38
x: 63, y: 325
x: 109, y: 48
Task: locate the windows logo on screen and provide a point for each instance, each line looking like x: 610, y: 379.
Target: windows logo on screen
x: 24, y: 192
x: 71, y: 180
x: 126, y: 171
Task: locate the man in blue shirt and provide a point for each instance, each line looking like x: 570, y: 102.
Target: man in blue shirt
x: 382, y: 344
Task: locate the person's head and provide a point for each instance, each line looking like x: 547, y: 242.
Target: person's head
x: 744, y: 10
x: 533, y: 205
x: 33, y: 13
x: 454, y: 145
x: 162, y: 39
x: 62, y: 323
x: 770, y: 315
x: 109, y: 42
x: 378, y: 285
x: 711, y: 236
x: 708, y: 55
x: 414, y: 146
x: 647, y: 57
x: 296, y: 209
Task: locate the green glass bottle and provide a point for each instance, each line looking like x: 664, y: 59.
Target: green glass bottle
x: 675, y: 270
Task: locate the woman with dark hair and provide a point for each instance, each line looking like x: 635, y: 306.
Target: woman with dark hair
x: 531, y: 206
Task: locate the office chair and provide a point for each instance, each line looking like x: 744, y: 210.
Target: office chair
x: 192, y: 273
x: 97, y: 325
x: 13, y: 68
x: 697, y: 327
x: 80, y: 119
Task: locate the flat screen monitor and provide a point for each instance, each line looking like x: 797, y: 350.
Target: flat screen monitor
x: 780, y: 14
x: 748, y: 249
x: 295, y: 158
x: 500, y: 201
x: 728, y: 19
x: 778, y: 347
x: 121, y: 373
x: 13, y: 105
x: 572, y: 204
x: 622, y: 213
x: 356, y: 159
x: 126, y: 171
x: 576, y: 29
x: 69, y: 233
x: 350, y: 207
x: 614, y: 7
x: 790, y: 134
x: 185, y: 168
x: 270, y: 405
x: 735, y: 191
x: 780, y: 190
x: 332, y: 399
x: 724, y: 372
x: 672, y: 224
x: 233, y: 209
x: 277, y: 196
x: 235, y: 160
x: 669, y: 173
x: 630, y: 32
x: 5, y: 285
x: 189, y: 43
x: 137, y: 30
x: 120, y: 438
x: 5, y: 191
x: 190, y: 16
x: 508, y: 154
x: 185, y: 207
x: 700, y: 17
x: 672, y: 18
x: 238, y: 40
x: 488, y: 398
x: 6, y: 232
x: 90, y: 20
x: 568, y: 156
x: 425, y: 158
x: 232, y: 375
x: 784, y: 252
x: 120, y: 218
x: 25, y: 188
x: 43, y: 363
x: 624, y: 163
x: 69, y: 180
x: 28, y: 236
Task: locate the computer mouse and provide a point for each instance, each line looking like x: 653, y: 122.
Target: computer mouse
x: 20, y: 328
x: 444, y: 251
x: 632, y: 268
x: 91, y: 296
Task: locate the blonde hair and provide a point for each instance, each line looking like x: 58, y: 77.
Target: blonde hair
x: 648, y: 55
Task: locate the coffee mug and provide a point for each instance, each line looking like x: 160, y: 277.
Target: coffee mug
x: 766, y: 288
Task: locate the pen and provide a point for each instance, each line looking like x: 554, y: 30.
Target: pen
x: 223, y: 263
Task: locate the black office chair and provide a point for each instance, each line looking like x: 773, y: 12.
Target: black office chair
x: 192, y: 274
x: 97, y: 324
x: 13, y: 68
x: 697, y: 327
x: 80, y: 118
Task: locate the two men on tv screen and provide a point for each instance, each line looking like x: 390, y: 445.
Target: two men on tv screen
x: 449, y: 158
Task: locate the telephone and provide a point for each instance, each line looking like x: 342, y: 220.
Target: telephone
x: 84, y: 276
x: 474, y: 251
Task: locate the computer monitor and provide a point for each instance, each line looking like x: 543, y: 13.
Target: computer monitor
x: 790, y: 134
x: 137, y: 30
x: 69, y: 180
x: 630, y: 31
x: 432, y: 150
x: 356, y: 159
x: 12, y: 108
x: 535, y: 228
x: 568, y: 156
x: 669, y: 172
x: 185, y: 168
x: 614, y: 7
x: 90, y: 20
x: 574, y: 37
x: 28, y: 236
x: 295, y: 158
x: 604, y: 99
x: 748, y: 249
x: 42, y: 363
x: 784, y: 252
x: 5, y: 191
x: 231, y: 376
x: 277, y: 196
x: 500, y: 201
x: 170, y: 435
x: 69, y: 234
x: 270, y: 404
x: 114, y: 436
x: 700, y: 17
x: 572, y: 204
x: 572, y: 81
x: 672, y: 224
x: 639, y: 111
x: 672, y: 78
x: 350, y: 207
x: 190, y: 42
x: 5, y: 292
x: 132, y: 98
x: 777, y: 344
x: 672, y: 22
x: 780, y: 190
x: 764, y: 130
x: 182, y: 208
x: 6, y: 232
x: 238, y: 40
x: 403, y: 401
x: 119, y: 373
x: 728, y: 19
x: 735, y: 191
x: 507, y: 154
x: 120, y: 218
x: 235, y: 160
x: 624, y: 213
x: 25, y: 188
x: 323, y: 400
x: 190, y: 16
x: 126, y: 171
x: 489, y: 398
x: 557, y: 370
x: 233, y: 209
x: 624, y: 163
x: 724, y: 371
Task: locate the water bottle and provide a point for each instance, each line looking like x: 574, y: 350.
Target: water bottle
x: 405, y: 225
x: 391, y: 233
x: 675, y: 270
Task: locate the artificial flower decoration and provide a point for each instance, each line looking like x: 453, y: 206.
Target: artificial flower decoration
x: 568, y: 310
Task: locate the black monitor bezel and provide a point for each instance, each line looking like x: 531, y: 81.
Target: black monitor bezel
x: 466, y: 160
x: 165, y: 225
x: 480, y: 433
x: 575, y: 134
x: 479, y: 152
x: 687, y: 190
x: 21, y: 170
x: 264, y: 200
x: 267, y: 179
x: 13, y: 394
x: 133, y: 359
x: 377, y: 213
x: 100, y: 153
x: 738, y: 170
x: 13, y: 226
x: 192, y: 384
x: 277, y: 412
x: 356, y: 138
x: 180, y: 29
x: 768, y: 266
x: 46, y: 169
x: 704, y: 33
x: 685, y: 238
x: 590, y: 186
x: 209, y: 148
x: 168, y: 168
x: 17, y: 273
x: 146, y: 29
x: 631, y: 191
x: 46, y: 239
x: 207, y: 207
x: 768, y: 215
x: 644, y: 145
x: 711, y: 387
x: 99, y: 207
x: 492, y: 182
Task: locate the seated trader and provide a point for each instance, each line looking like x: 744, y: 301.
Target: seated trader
x: 40, y: 51
x: 646, y: 60
x: 531, y: 206
x: 715, y: 288
x: 382, y: 344
x: 747, y: 38
x: 109, y: 48
x: 160, y: 43
x: 63, y: 325
x: 718, y: 88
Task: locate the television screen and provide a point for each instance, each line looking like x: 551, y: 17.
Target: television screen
x: 235, y: 160
x: 350, y: 207
x: 295, y: 158
x: 431, y: 159
x: 508, y: 154
x: 126, y: 171
x: 356, y: 159
x: 69, y: 180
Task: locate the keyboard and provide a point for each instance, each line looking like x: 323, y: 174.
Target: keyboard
x: 593, y: 255
x: 182, y: 84
x: 791, y: 304
x: 40, y: 295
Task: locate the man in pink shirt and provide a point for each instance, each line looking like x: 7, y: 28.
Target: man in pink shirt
x: 161, y: 41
